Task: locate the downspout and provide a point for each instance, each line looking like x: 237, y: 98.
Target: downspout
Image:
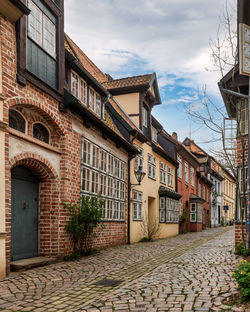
x: 129, y: 188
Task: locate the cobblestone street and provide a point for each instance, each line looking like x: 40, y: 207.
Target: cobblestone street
x: 190, y: 272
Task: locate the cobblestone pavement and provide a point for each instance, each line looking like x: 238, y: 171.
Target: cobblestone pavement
x: 190, y: 272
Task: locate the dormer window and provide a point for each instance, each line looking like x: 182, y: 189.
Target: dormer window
x: 144, y: 117
x: 79, y: 88
x: 95, y: 102
x: 154, y: 134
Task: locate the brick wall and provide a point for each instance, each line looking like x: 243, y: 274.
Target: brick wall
x: 57, y: 164
x: 238, y: 232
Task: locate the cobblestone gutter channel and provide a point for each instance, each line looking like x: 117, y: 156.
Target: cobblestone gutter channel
x: 80, y: 297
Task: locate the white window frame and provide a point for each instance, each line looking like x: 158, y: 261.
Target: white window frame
x: 199, y: 190
x: 144, y: 117
x: 179, y: 172
x: 151, y: 166
x: 170, y: 176
x: 242, y: 116
x: 137, y: 205
x: 193, y: 212
x: 77, y: 90
x: 154, y: 134
x: 163, y: 172
x: 139, y: 159
x: 192, y: 176
x: 102, y: 180
x: 186, y: 171
x: 96, y: 107
x: 171, y: 207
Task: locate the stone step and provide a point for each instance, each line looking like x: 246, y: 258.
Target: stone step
x: 25, y: 264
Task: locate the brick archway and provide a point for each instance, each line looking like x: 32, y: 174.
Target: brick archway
x: 45, y: 111
x: 49, y: 202
x: 39, y: 165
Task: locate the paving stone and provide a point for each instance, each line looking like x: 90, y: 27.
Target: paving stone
x: 190, y: 272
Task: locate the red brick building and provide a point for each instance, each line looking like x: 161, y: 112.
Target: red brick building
x: 60, y: 141
x: 195, y: 190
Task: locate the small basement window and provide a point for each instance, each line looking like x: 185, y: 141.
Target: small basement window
x: 40, y: 132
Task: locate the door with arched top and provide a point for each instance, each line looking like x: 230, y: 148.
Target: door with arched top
x: 24, y: 213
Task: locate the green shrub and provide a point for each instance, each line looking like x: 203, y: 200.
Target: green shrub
x: 86, y: 216
x: 242, y: 276
x: 240, y: 249
x: 184, y: 216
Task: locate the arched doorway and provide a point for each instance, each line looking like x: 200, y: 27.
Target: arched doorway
x: 24, y: 213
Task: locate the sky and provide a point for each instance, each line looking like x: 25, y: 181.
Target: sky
x: 170, y: 37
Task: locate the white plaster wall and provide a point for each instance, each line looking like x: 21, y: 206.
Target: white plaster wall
x: 18, y: 146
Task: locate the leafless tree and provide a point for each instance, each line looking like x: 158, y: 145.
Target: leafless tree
x: 224, y: 55
x: 150, y: 227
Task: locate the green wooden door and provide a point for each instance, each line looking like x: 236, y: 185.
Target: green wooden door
x: 24, y: 218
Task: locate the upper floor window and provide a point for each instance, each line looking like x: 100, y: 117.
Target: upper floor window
x: 154, y: 134
x: 199, y: 190
x: 79, y: 87
x: 41, y: 42
x: 138, y: 159
x: 170, y: 176
x: 204, y: 192
x: 95, y: 102
x: 40, y: 132
x: 162, y: 172
x: 151, y: 166
x: 186, y: 172
x: 179, y: 159
x: 144, y: 117
x: 16, y: 121
x: 242, y: 117
x: 192, y: 176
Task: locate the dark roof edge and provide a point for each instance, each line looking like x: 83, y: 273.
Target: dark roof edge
x: 75, y: 61
x: 164, y: 154
x: 22, y: 7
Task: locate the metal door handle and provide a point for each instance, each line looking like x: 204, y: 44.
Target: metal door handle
x: 25, y: 205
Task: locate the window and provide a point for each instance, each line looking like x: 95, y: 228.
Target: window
x: 204, y: 192
x: 186, y: 172
x: 154, y: 134
x: 218, y: 186
x: 199, y: 189
x: 169, y: 210
x: 41, y: 42
x: 179, y: 159
x: 40, y: 132
x: 151, y: 166
x: 137, y: 205
x: 144, y: 117
x: 192, y: 176
x: 162, y: 172
x: 170, y: 176
x: 138, y: 159
x: 95, y: 102
x: 16, y: 121
x: 79, y: 88
x: 242, y: 117
x: 193, y: 212
x: 104, y: 174
x: 240, y: 174
x: 208, y: 195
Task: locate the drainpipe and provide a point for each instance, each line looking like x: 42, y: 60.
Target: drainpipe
x: 129, y: 187
x: 2, y: 176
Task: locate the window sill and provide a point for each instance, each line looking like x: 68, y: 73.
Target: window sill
x: 154, y: 179
x: 137, y: 220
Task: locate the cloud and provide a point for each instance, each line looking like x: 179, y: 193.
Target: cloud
x: 169, y: 37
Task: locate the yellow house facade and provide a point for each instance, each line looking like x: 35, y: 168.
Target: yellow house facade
x: 228, y: 196
x: 154, y: 204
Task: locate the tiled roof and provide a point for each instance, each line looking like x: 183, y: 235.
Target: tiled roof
x: 72, y: 48
x: 128, y: 81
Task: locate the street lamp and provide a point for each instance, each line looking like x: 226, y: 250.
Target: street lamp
x: 139, y: 174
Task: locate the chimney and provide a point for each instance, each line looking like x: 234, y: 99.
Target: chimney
x: 175, y: 136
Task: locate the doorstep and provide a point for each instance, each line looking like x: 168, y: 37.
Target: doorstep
x: 25, y: 264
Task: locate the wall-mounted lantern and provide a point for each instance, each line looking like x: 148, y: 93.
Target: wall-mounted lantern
x: 139, y: 174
